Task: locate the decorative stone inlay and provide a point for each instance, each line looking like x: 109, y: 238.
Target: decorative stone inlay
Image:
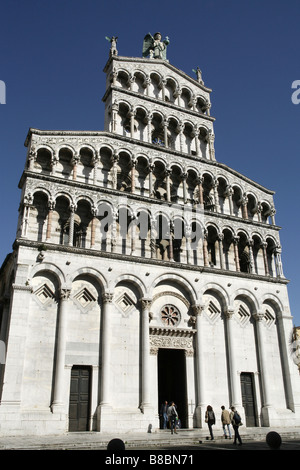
x: 84, y: 299
x: 125, y: 304
x: 44, y: 294
x: 213, y: 311
x: 269, y: 318
x: 243, y: 315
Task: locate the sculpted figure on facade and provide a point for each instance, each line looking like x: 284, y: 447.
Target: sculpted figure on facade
x: 154, y: 47
x: 113, y: 48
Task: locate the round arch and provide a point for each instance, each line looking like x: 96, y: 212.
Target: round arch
x: 50, y: 268
x: 177, y: 279
x: 130, y: 278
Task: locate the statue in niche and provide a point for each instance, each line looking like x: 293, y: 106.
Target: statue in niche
x: 154, y: 47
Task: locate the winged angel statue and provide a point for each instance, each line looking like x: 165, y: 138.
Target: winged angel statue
x: 155, y: 47
x: 113, y: 41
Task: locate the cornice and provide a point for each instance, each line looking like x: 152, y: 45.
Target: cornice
x: 84, y: 252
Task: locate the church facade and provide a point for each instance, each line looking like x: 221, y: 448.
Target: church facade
x: 143, y: 270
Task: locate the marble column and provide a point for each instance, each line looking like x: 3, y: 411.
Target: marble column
x: 27, y: 203
x: 205, y: 250
x: 58, y: 395
x: 51, y: 205
x: 251, y: 258
x: 196, y: 137
x: 184, y: 178
x: 210, y: 140
x: 264, y: 248
x: 71, y: 224
x: 236, y: 253
x: 133, y: 166
x: 229, y: 193
x: 168, y: 173
x: 263, y: 360
x: 115, y: 109
x: 244, y: 207
x: 93, y: 226
x: 146, y: 304
x: 216, y: 194
x: 278, y: 262
x: 200, y: 188
x: 96, y: 159
x: 235, y: 387
x: 165, y: 124
x: 115, y: 159
x: 201, y: 400
x: 220, y: 240
x: 150, y: 169
x: 105, y: 385
x: 132, y: 116
x: 153, y: 236
x: 75, y: 161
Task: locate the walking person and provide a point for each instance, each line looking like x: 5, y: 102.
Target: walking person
x: 210, y: 420
x: 225, y: 419
x: 164, y: 414
x: 236, y: 423
x: 172, y: 415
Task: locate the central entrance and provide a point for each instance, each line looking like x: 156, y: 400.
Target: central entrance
x: 172, y: 381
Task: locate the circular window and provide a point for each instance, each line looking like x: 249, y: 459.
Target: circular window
x: 170, y: 315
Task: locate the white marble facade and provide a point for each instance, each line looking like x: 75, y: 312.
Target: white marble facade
x: 144, y: 261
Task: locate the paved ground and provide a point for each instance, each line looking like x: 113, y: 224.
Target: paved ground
x: 292, y: 444
x: 161, y: 441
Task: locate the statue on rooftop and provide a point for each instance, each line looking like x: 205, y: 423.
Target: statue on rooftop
x: 198, y: 72
x: 154, y: 47
x: 113, y: 48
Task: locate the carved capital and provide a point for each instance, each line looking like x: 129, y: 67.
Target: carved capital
x: 198, y: 309
x: 65, y: 294
x: 146, y: 303
x: 229, y: 312
x: 107, y: 297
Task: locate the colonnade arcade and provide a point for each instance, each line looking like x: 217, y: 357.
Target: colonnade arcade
x: 123, y: 229
x: 154, y: 127
x: 155, y: 178
x: 165, y: 88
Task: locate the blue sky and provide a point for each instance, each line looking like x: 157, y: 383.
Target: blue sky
x: 52, y: 55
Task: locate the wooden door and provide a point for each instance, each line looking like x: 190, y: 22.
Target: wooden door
x: 248, y: 399
x: 79, y: 406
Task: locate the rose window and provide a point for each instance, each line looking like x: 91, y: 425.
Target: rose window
x: 170, y: 315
